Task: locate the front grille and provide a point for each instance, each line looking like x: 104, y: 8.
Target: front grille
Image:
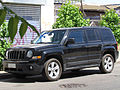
x: 16, y: 55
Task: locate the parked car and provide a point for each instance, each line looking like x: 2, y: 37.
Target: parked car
x: 59, y: 50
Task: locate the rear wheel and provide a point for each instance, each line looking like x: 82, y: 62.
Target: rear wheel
x: 107, y: 64
x: 52, y: 69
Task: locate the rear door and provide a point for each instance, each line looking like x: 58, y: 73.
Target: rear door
x: 94, y: 45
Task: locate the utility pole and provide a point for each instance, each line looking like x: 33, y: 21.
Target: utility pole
x: 81, y: 8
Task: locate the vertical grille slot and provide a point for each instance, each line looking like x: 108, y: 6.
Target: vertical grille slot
x: 16, y: 55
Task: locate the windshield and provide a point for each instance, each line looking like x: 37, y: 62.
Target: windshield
x: 53, y: 37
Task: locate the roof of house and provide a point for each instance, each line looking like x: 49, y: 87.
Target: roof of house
x: 113, y: 6
x: 97, y: 7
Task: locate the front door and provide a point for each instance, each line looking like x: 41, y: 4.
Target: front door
x: 76, y: 54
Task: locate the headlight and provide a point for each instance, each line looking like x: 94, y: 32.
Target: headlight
x: 6, y: 54
x: 29, y: 54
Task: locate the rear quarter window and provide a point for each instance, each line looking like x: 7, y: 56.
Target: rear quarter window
x: 91, y: 35
x: 107, y: 35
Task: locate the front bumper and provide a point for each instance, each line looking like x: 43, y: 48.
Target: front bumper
x: 22, y: 67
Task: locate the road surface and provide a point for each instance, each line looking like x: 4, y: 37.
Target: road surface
x: 87, y: 79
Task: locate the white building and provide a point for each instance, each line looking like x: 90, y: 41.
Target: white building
x: 39, y: 13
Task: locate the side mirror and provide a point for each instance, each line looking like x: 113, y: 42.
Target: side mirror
x: 70, y: 41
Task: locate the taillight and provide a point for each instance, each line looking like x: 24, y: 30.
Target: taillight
x: 117, y: 45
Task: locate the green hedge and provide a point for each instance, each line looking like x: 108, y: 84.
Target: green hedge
x: 70, y: 16
x: 111, y: 20
x: 4, y: 41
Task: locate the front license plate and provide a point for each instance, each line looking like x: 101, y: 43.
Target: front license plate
x: 11, y: 65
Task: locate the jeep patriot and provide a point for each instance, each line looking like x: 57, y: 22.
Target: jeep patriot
x: 59, y: 50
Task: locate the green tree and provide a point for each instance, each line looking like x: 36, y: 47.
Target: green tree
x: 13, y: 22
x: 111, y: 20
x: 70, y: 16
x: 4, y: 41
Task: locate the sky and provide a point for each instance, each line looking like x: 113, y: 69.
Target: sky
x: 102, y: 2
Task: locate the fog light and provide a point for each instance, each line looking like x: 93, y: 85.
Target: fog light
x: 31, y: 67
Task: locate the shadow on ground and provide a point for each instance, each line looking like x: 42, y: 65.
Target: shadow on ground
x: 39, y: 78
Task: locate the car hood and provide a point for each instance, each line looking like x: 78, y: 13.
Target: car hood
x: 37, y: 46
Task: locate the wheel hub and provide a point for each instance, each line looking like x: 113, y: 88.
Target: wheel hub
x: 53, y: 70
x: 108, y: 63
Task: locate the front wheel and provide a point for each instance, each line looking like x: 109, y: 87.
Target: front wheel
x: 107, y: 64
x: 52, y: 69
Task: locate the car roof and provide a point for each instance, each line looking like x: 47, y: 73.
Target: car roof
x: 85, y: 27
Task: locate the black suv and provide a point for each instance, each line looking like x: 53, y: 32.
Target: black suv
x: 64, y: 49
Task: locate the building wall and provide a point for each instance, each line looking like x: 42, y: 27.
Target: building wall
x: 93, y: 13
x: 31, y: 13
x: 118, y: 11
x: 47, y: 15
x: 39, y: 15
x: 56, y: 8
x: 35, y: 2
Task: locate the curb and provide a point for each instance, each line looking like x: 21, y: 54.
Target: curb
x: 5, y: 75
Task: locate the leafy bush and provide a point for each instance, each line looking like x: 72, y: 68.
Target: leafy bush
x: 70, y: 16
x: 4, y: 41
x: 111, y: 20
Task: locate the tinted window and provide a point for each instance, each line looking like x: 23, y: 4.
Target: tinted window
x: 91, y: 35
x: 107, y: 35
x: 98, y: 35
x: 77, y: 35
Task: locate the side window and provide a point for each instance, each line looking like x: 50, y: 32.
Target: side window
x: 107, y: 35
x: 91, y: 35
x: 98, y: 35
x: 77, y: 35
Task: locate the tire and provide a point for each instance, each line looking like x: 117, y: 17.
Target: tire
x: 107, y: 64
x: 52, y: 70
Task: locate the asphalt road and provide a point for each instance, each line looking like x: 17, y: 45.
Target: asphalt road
x: 87, y: 79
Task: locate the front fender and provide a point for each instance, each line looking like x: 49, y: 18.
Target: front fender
x: 55, y: 52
